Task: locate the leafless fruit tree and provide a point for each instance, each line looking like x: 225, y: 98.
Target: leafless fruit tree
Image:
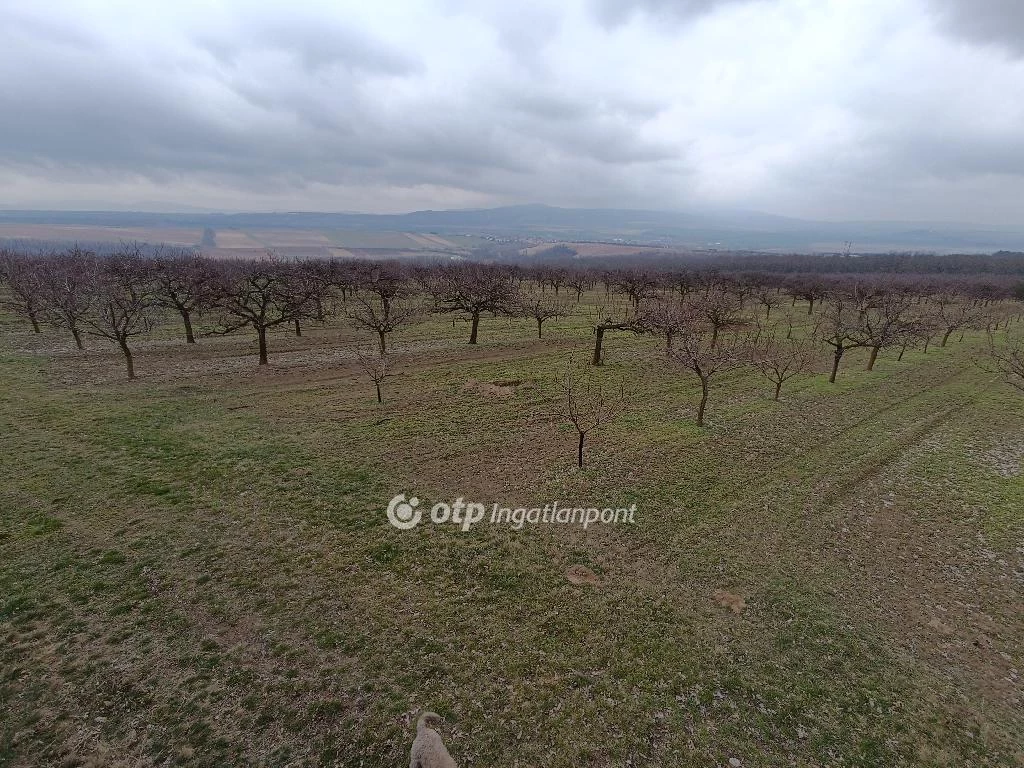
x: 540, y: 309
x: 605, y: 319
x: 68, y: 290
x: 695, y: 353
x: 382, y: 315
x: 668, y: 317
x: 1006, y: 359
x: 779, y: 360
x: 838, y: 327
x: 260, y: 295
x: 472, y: 290
x: 376, y: 366
x: 884, y: 324
x: 185, y: 283
x: 22, y: 276
x: 588, y: 404
x: 123, y: 302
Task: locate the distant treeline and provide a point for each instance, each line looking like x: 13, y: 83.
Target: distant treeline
x: 999, y: 263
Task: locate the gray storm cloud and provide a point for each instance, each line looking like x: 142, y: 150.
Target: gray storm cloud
x: 877, y: 109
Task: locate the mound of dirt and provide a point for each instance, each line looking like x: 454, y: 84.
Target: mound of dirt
x: 501, y: 389
x: 580, y: 574
x: 734, y: 603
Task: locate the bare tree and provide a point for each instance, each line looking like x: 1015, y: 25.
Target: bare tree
x: 838, y: 327
x: 668, y: 317
x: 580, y: 281
x: 720, y: 310
x: 260, y: 295
x: 382, y: 315
x: 883, y: 324
x: 186, y: 283
x: 541, y: 309
x: 23, y: 277
x: 696, y: 353
x: 1007, y: 360
x: 588, y: 404
x: 635, y: 284
x: 375, y: 366
x: 953, y: 314
x: 123, y: 304
x: 473, y: 290
x: 767, y: 298
x: 779, y: 360
x: 605, y: 319
x: 68, y: 290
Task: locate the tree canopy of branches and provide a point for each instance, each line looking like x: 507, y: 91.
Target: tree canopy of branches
x: 123, y: 302
x: 472, y: 290
x: 953, y: 314
x: 261, y: 295
x: 185, y: 283
x: 381, y: 315
x: 779, y: 360
x: 541, y: 309
x: 696, y: 353
x: 883, y: 324
x: 588, y: 404
x: 22, y: 276
x: 839, y: 328
x: 376, y: 366
x: 68, y: 292
x: 604, y: 319
x: 668, y: 317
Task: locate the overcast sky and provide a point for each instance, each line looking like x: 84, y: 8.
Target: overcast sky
x: 837, y: 109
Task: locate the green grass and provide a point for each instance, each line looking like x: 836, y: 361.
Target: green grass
x: 198, y: 570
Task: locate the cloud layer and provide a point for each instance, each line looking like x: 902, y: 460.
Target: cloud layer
x: 816, y: 108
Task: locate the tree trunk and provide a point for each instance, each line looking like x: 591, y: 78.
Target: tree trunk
x: 380, y: 399
x: 835, y: 364
x: 874, y: 356
x: 539, y: 324
x: 298, y: 327
x: 945, y: 337
x: 187, y: 320
x: 579, y: 451
x: 902, y: 350
x: 703, y: 403
x: 261, y: 334
x: 77, y: 336
x: 714, y: 337
x: 32, y: 319
x: 476, y: 324
x: 768, y: 313
x: 778, y: 389
x: 383, y: 344
x: 598, y: 338
x: 668, y: 343
x: 129, y: 364
x: 810, y: 306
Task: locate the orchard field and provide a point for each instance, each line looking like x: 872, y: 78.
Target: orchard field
x: 196, y: 567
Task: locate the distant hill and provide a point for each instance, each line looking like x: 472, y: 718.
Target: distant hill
x: 723, y: 230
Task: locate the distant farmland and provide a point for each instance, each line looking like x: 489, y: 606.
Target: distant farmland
x: 244, y: 243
